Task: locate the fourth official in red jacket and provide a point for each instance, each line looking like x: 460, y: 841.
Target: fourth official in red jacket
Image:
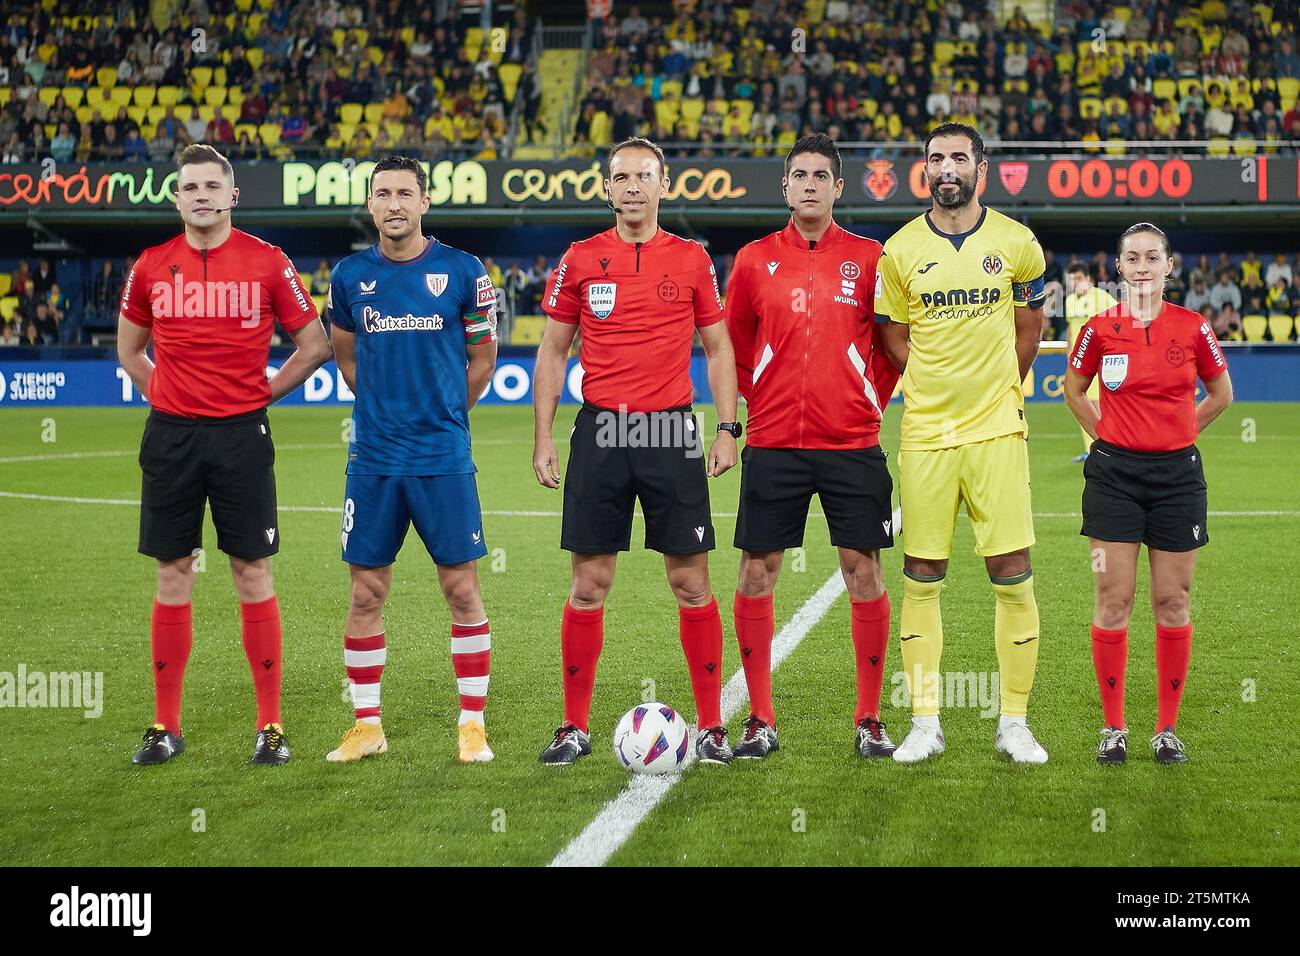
x: 801, y: 318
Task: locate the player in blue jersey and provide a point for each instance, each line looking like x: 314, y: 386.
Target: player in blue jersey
x: 414, y: 332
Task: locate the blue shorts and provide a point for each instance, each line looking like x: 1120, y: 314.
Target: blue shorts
x: 378, y: 509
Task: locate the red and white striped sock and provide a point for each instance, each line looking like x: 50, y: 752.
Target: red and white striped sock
x: 471, y: 652
x: 364, y: 658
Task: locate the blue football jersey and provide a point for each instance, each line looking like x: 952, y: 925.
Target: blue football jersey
x: 412, y: 321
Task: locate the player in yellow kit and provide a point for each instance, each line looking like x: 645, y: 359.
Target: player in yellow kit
x: 962, y: 297
x: 1084, y: 301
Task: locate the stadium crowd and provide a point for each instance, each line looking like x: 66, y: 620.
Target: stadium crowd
x: 1243, y: 297
x: 763, y: 74
x: 260, y: 78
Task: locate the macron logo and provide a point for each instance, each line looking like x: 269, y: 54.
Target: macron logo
x: 771, y: 268
x: 886, y: 523
x: 699, y: 533
x: 368, y: 288
x: 74, y: 909
x: 270, y: 536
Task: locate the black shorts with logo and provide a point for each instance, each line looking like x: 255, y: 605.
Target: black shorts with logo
x: 613, y: 461
x: 777, y: 484
x: 1157, y: 498
x: 229, y: 462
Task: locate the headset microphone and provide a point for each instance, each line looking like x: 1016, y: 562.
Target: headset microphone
x: 615, y: 209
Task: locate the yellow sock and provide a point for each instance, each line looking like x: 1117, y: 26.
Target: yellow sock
x: 1015, y: 630
x: 921, y: 637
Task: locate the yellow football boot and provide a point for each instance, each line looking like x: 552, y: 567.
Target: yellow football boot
x: 361, y: 740
x: 473, y: 743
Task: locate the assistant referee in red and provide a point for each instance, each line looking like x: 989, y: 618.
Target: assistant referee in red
x: 1144, y: 482
x: 208, y: 300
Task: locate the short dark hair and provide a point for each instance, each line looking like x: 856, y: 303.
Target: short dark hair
x: 197, y: 153
x: 1075, y: 267
x: 395, y: 161
x: 959, y: 129
x: 822, y: 145
x: 1138, y: 227
x: 636, y: 142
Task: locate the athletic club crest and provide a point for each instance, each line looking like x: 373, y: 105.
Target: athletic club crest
x: 436, y: 282
x: 1114, y: 369
x: 600, y: 298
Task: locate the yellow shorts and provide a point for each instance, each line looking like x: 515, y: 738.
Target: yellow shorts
x: 992, y: 477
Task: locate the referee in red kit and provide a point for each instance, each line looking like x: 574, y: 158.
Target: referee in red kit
x: 209, y: 299
x: 801, y: 313
x: 639, y: 295
x: 1144, y: 482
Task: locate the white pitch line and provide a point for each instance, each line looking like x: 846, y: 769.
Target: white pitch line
x: 617, y: 820
x: 335, y: 509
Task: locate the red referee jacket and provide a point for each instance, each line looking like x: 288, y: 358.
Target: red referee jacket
x: 808, y: 353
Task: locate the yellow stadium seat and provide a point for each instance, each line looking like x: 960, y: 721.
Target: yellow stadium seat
x: 1288, y: 88
x: 673, y: 88
x: 48, y: 94
x: 509, y: 73
x: 375, y: 54
x: 270, y: 133
x: 234, y: 95
x: 183, y: 111
x: 1219, y: 147
x: 137, y: 113
x: 319, y: 301
x: 153, y: 114
x: 119, y: 96
x: 242, y: 128
x: 601, y: 129
x: 362, y: 36
x: 1189, y: 84
x: 144, y: 95
x: 6, y: 282
x: 167, y: 95
x: 474, y: 37
x: 340, y: 38
x: 201, y: 76
x: 254, y: 55
x: 215, y: 96
x: 667, y: 113
x: 206, y: 112
x: 1255, y: 327
x: 5, y: 93
x: 98, y: 98
x: 8, y: 306
x: 374, y: 112
x: 944, y: 51
x: 692, y: 109
x: 350, y: 113
x: 73, y: 96
x: 1280, y: 327
x: 84, y: 114
x: 243, y: 6
x: 408, y: 35
x: 746, y: 108
x: 106, y: 75
x: 1244, y: 147
x: 395, y: 129
x: 345, y: 131
x: 1090, y: 107
x: 1165, y: 89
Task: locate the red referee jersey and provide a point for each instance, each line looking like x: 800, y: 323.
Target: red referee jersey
x: 1148, y: 374
x: 809, y: 357
x: 211, y: 313
x: 637, y: 306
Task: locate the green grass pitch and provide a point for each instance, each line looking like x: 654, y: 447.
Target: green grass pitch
x: 76, y: 596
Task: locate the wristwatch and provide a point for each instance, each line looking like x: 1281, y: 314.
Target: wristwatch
x: 732, y: 428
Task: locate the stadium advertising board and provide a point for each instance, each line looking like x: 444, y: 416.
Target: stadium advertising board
x: 1160, y: 180
x: 1264, y: 374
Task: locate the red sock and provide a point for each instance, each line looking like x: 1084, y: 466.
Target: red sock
x: 364, y: 659
x: 701, y: 632
x: 870, y: 640
x: 755, y: 624
x: 171, y: 634
x: 261, y: 631
x: 582, y: 634
x: 1173, y: 651
x: 1109, y: 659
x: 471, y: 657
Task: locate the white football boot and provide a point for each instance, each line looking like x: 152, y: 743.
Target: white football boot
x: 1017, y: 741
x: 922, y: 742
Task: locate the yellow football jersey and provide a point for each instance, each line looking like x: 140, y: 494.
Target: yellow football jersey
x: 958, y: 295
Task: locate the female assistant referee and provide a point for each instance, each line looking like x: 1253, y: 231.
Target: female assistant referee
x: 1144, y: 483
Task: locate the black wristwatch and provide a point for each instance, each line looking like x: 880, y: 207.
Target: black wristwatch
x: 732, y: 428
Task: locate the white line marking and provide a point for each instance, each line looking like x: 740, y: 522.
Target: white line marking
x: 337, y: 509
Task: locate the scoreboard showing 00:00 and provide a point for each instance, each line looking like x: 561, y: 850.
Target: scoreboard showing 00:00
x: 1141, y: 179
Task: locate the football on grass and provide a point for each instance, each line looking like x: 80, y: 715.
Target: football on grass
x: 651, y: 738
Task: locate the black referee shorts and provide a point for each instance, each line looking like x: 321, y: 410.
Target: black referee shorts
x: 776, y: 485
x: 229, y: 462
x: 1157, y: 498
x: 615, y: 459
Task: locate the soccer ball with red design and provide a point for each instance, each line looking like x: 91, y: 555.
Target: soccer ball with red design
x: 651, y: 738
